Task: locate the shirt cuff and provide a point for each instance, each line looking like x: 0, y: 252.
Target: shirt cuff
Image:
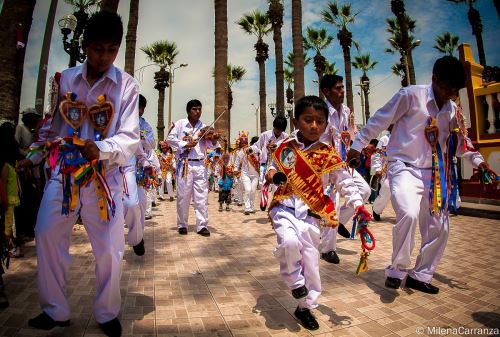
x: 104, y: 150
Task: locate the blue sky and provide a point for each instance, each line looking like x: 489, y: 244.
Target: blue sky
x: 190, y: 24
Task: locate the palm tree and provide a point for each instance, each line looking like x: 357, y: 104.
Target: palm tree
x: 365, y: 64
x: 220, y: 69
x: 330, y: 68
x: 15, y: 17
x: 289, y: 74
x: 234, y: 74
x: 131, y: 37
x: 446, y: 43
x: 110, y: 5
x: 317, y: 40
x: 398, y: 69
x: 257, y: 23
x: 298, y: 51
x: 341, y: 17
x: 477, y: 27
x: 275, y: 14
x: 44, y: 58
x: 161, y: 53
x: 398, y: 8
x: 396, y: 42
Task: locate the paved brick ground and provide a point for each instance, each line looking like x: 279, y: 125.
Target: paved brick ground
x: 229, y: 284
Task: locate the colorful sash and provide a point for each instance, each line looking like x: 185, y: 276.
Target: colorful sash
x: 304, y: 170
x: 438, y: 189
x: 345, y: 140
x: 253, y: 160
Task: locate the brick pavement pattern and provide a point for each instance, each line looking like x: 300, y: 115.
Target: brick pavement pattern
x: 228, y: 284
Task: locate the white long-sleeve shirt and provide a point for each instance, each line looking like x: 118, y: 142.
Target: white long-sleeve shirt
x: 122, y: 136
x: 341, y: 178
x: 409, y: 110
x: 146, y: 145
x: 183, y: 128
x: 265, y: 138
x: 338, y: 121
x: 243, y: 163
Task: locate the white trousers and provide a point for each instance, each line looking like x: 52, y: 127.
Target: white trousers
x: 297, y: 253
x: 53, y: 233
x: 134, y: 205
x: 238, y: 189
x: 150, y: 198
x: 166, y: 183
x: 410, y: 199
x: 250, y: 186
x: 345, y: 214
x: 194, y: 186
x: 383, y: 198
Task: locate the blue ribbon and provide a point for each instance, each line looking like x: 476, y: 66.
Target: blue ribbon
x: 453, y: 181
x: 442, y: 177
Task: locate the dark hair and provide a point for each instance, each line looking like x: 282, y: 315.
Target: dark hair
x: 310, y: 101
x: 103, y: 26
x: 329, y: 81
x: 374, y: 142
x: 142, y: 101
x: 192, y: 103
x: 254, y: 140
x: 450, y: 70
x: 280, y: 123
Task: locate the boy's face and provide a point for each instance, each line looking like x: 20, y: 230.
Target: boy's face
x: 311, y: 124
x: 101, y: 55
x: 277, y: 132
x: 194, y: 113
x: 335, y: 94
x: 443, y: 91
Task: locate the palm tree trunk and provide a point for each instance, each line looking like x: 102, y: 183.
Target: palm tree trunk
x: 398, y: 8
x: 109, y: 5
x: 161, y: 123
x: 367, y: 106
x: 262, y: 96
x: 477, y: 29
x: 131, y: 37
x: 320, y: 93
x: 298, y: 51
x: 13, y: 14
x: 348, y: 76
x: 44, y: 58
x: 277, y: 21
x: 220, y: 71
x: 411, y: 68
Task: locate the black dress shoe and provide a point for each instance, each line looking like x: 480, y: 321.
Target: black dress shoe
x: 183, y: 231
x: 112, y: 328
x: 204, y: 232
x: 139, y: 249
x: 392, y: 282
x: 343, y: 231
x: 300, y: 292
x: 376, y: 216
x: 331, y: 257
x: 171, y: 199
x: 45, y: 322
x: 421, y: 286
x: 306, y: 319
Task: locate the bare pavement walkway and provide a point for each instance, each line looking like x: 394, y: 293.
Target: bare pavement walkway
x: 229, y: 284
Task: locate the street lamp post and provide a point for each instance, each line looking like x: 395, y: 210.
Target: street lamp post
x: 289, y: 114
x: 73, y: 23
x: 172, y: 71
x: 256, y: 118
x: 272, y: 106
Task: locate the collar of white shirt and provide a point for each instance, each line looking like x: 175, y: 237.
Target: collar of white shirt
x: 110, y: 73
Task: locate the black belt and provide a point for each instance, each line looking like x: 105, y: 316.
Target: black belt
x: 194, y: 159
x: 309, y: 213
